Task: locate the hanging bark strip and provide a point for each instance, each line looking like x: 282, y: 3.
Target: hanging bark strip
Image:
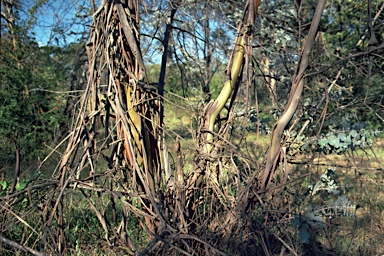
x: 294, y: 97
x: 215, y: 107
x: 139, y: 131
x: 117, y: 98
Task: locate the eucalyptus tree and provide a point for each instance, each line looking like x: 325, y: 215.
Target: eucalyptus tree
x: 228, y: 201
x: 164, y: 201
x: 344, y: 68
x: 195, y: 32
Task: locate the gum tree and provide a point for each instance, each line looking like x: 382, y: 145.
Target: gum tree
x: 143, y: 200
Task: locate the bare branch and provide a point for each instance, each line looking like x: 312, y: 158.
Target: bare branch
x: 20, y: 247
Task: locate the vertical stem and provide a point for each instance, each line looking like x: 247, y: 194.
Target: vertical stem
x: 164, y: 58
x: 207, y: 58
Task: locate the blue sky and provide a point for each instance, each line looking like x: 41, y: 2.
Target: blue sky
x: 57, y: 20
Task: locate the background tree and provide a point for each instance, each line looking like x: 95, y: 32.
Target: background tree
x: 30, y: 111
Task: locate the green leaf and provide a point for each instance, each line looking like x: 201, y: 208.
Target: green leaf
x: 21, y: 185
x: 348, y: 139
x: 333, y: 140
x: 342, y: 136
x: 353, y: 133
x: 323, y: 142
x: 344, y: 145
x: 3, y: 184
x: 25, y: 203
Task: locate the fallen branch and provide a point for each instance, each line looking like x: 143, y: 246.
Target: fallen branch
x: 21, y: 247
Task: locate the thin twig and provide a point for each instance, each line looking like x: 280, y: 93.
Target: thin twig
x: 21, y: 247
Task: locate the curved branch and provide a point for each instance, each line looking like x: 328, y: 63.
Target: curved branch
x: 293, y: 101
x: 215, y: 107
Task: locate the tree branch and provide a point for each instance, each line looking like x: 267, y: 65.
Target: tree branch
x: 21, y: 247
x: 293, y: 101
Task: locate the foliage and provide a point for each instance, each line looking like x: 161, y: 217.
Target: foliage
x: 30, y: 113
x: 345, y: 134
x: 333, y: 202
x: 341, y: 141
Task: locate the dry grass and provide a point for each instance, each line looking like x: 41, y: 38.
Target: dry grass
x: 360, y: 172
